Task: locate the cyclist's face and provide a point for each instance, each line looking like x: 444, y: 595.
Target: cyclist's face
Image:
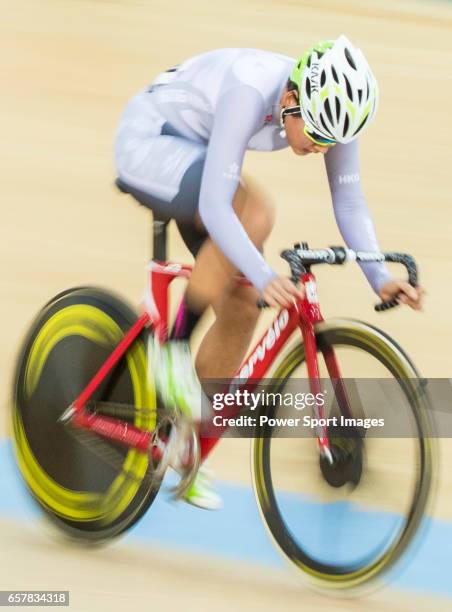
x: 294, y: 126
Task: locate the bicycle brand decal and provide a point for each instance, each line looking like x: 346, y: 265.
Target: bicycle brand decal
x: 267, y: 343
x: 311, y: 292
x: 173, y: 267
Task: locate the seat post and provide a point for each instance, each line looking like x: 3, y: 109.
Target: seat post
x: 159, y: 250
x: 159, y: 239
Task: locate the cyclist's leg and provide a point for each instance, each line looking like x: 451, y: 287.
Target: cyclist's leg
x: 213, y: 281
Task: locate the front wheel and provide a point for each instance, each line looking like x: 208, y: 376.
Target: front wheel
x: 346, y: 524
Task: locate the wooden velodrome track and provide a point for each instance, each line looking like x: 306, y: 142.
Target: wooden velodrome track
x: 69, y: 67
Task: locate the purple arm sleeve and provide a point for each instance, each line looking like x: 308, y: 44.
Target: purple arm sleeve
x: 237, y: 116
x: 350, y: 208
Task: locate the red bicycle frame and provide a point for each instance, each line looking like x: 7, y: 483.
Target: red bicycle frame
x: 304, y: 314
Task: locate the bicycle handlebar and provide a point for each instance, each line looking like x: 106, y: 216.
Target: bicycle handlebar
x: 300, y: 259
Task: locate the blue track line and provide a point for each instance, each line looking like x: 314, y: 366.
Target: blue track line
x: 237, y: 531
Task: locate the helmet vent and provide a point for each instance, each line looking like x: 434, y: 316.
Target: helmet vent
x: 335, y: 77
x: 310, y: 116
x: 322, y: 78
x: 338, y: 108
x: 308, y: 63
x: 349, y: 88
x: 346, y: 124
x: 368, y: 90
x: 328, y: 111
x: 350, y: 59
x: 308, y: 88
x: 360, y: 125
x: 325, y: 127
x: 360, y: 95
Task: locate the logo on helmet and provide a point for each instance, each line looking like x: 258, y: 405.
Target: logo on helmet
x: 314, y: 77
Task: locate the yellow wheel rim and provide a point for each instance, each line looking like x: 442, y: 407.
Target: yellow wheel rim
x: 95, y: 325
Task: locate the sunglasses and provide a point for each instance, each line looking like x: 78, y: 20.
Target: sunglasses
x: 311, y: 134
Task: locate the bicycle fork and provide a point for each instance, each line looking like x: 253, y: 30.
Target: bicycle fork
x: 310, y: 315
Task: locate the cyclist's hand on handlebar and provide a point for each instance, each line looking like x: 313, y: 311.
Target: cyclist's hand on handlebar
x: 404, y: 292
x: 281, y: 291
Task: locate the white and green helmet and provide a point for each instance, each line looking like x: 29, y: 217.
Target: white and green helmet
x: 338, y: 93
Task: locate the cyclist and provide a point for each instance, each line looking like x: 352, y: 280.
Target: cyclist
x: 179, y: 150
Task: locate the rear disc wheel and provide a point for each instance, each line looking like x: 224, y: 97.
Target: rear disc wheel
x: 90, y: 487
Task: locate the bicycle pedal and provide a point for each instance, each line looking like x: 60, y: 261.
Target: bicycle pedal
x: 162, y: 445
x: 180, y: 450
x: 187, y: 457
